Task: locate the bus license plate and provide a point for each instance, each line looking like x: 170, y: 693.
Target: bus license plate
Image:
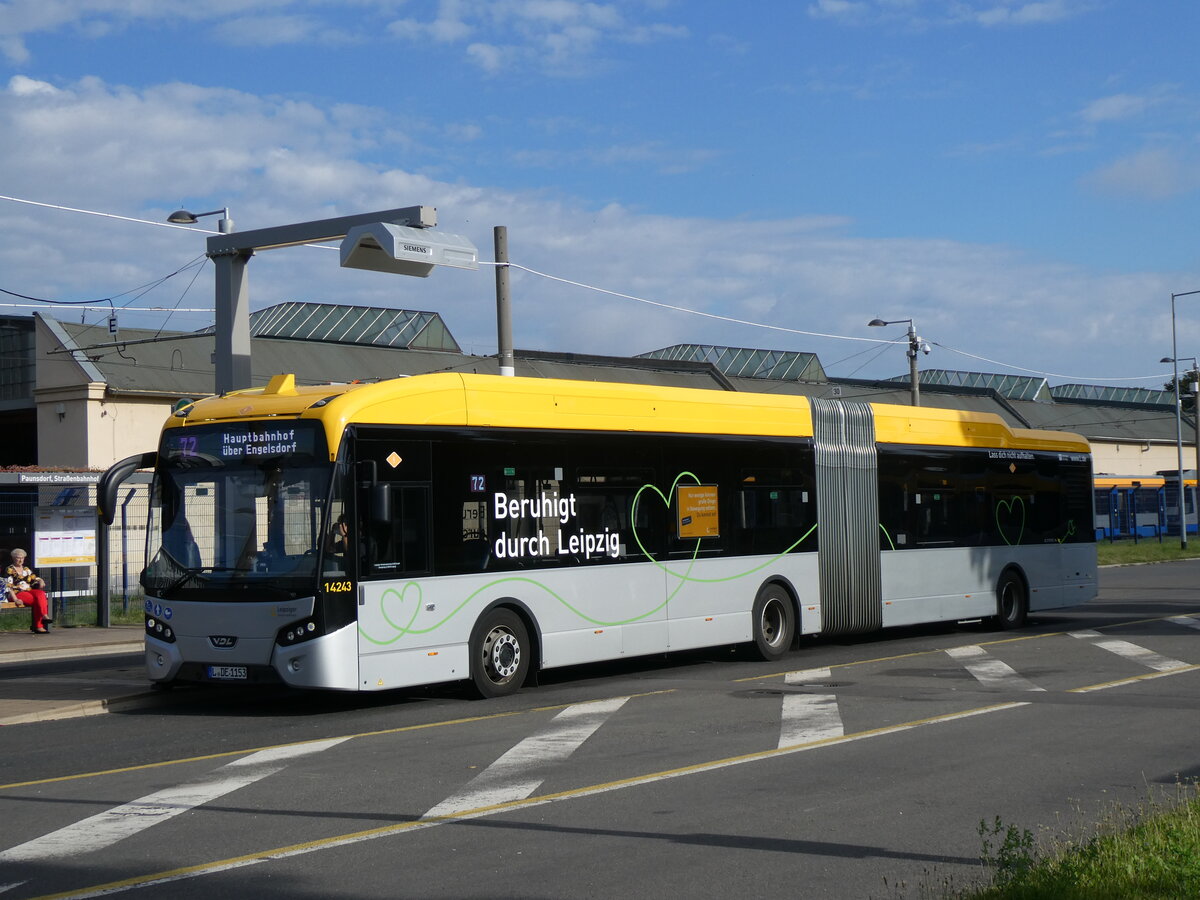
x: 227, y: 673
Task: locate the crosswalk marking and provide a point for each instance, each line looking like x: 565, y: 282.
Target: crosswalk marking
x: 809, y: 717
x: 1130, y: 651
x: 521, y: 769
x: 1189, y: 621
x: 106, y: 828
x: 989, y: 671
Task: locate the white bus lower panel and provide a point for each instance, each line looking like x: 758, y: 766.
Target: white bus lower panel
x: 383, y: 670
x: 330, y: 661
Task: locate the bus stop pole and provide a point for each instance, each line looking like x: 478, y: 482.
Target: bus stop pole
x: 103, y: 598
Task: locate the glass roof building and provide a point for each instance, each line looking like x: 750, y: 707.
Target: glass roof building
x: 403, y: 329
x: 742, y: 362
x: 1101, y: 394
x: 1011, y: 387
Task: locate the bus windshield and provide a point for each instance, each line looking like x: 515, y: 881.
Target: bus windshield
x: 238, y: 511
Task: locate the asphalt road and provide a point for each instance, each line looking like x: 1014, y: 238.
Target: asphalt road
x: 852, y: 768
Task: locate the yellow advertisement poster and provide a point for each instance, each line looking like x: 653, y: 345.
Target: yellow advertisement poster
x: 698, y: 511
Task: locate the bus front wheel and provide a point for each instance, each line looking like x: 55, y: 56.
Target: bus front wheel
x: 774, y: 622
x: 499, y: 654
x: 1012, y: 602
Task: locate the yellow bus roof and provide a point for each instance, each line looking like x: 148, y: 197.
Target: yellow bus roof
x: 459, y: 399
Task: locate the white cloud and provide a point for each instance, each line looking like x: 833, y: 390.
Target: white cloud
x: 927, y: 13
x: 655, y: 155
x: 272, y: 160
x: 490, y: 58
x: 277, y: 30
x: 1155, y: 173
x: 561, y: 37
x: 1020, y: 13
x: 1124, y: 106
x: 20, y: 86
x: 22, y: 18
x: 841, y: 10
x: 1115, y: 107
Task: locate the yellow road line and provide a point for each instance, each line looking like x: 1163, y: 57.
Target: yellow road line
x: 1132, y: 680
x: 1009, y: 640
x: 342, y: 840
x: 290, y: 850
x: 466, y: 720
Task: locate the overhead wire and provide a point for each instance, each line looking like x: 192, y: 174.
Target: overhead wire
x: 654, y: 303
x: 1080, y: 378
x: 684, y: 309
x: 177, y: 302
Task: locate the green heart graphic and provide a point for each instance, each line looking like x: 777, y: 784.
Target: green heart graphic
x: 397, y: 605
x: 1010, y: 517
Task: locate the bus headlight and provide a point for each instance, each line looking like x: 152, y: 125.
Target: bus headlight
x: 157, y: 628
x: 298, y: 632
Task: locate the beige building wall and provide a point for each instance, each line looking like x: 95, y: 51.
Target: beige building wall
x: 81, y: 424
x: 1140, y: 458
x: 84, y: 428
x: 62, y: 415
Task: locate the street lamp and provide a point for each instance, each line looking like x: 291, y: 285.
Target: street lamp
x: 1179, y: 420
x: 1179, y: 410
x: 183, y: 217
x: 915, y: 345
x: 392, y: 240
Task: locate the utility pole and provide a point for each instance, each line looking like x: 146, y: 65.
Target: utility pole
x: 504, y: 341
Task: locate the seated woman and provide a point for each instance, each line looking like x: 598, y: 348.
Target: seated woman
x: 26, y: 589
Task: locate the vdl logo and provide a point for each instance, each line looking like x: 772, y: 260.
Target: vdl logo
x: 222, y: 641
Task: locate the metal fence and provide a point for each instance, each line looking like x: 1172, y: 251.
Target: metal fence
x: 73, y: 589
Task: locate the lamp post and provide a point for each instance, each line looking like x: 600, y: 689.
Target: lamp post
x: 1179, y: 419
x: 183, y: 217
x: 915, y: 345
x: 1179, y: 414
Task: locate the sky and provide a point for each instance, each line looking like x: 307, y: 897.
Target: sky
x: 1021, y: 178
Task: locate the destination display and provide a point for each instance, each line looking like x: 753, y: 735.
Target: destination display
x: 251, y: 442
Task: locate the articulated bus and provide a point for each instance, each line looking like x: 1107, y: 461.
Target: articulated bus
x: 1137, y: 506
x: 450, y: 527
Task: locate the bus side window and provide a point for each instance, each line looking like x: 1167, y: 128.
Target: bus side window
x: 610, y: 503
x: 401, y: 545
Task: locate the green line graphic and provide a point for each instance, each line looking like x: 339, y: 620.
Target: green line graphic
x: 395, y: 603
x: 1014, y: 514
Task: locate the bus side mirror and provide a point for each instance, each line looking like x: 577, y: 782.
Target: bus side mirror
x: 379, y: 503
x: 106, y: 490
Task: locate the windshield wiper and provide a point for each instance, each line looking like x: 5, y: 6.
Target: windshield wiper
x: 189, y: 575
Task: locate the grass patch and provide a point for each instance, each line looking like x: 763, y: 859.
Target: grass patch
x: 1145, y: 853
x: 1123, y: 553
x: 72, y: 612
x: 1148, y: 852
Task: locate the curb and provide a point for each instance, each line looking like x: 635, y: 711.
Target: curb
x: 86, y: 708
x: 15, y: 656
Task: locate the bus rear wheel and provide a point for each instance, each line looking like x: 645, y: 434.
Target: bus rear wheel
x: 499, y: 654
x: 1012, y: 602
x: 774, y: 624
